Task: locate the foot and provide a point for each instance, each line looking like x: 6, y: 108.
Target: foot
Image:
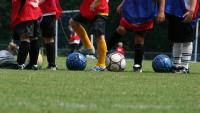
x: 32, y: 67
x: 137, y: 68
x: 20, y: 67
x: 52, y: 67
x: 98, y: 68
x: 180, y: 69
x: 87, y: 51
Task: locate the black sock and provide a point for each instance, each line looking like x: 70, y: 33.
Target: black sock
x: 50, y: 51
x: 139, y: 52
x: 33, y: 52
x: 113, y: 40
x: 23, y: 52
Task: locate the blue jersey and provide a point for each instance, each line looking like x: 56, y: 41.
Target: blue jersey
x: 139, y: 11
x: 179, y: 7
x: 176, y: 7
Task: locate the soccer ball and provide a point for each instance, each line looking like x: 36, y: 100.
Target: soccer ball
x: 76, y: 61
x: 162, y: 63
x: 115, y: 62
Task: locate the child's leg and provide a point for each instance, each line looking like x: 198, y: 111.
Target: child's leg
x: 101, y: 48
x: 23, y: 49
x: 79, y: 29
x: 139, y: 48
x: 186, y: 54
x: 115, y: 37
x: 177, y: 54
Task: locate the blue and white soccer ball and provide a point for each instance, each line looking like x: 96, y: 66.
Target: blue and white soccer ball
x: 162, y: 63
x: 76, y: 61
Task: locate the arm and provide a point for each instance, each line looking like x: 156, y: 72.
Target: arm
x: 161, y: 11
x: 120, y: 6
x: 41, y: 1
x: 94, y: 5
x: 189, y: 14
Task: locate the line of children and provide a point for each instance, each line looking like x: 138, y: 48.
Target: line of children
x: 136, y: 16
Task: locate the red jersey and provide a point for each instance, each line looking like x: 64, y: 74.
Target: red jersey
x: 101, y: 9
x: 24, y: 11
x: 120, y: 50
x: 51, y: 6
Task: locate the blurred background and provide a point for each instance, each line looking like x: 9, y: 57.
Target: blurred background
x: 156, y: 42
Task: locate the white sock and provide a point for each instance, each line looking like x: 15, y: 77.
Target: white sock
x: 177, y: 54
x: 186, y: 54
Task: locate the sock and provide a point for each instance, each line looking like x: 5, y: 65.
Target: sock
x: 23, y: 52
x: 83, y: 35
x: 176, y: 52
x: 50, y: 52
x: 114, y: 39
x: 139, y: 52
x: 101, y: 48
x: 186, y: 54
x: 33, y: 52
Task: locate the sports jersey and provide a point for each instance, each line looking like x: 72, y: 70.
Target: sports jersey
x: 179, y: 7
x: 101, y: 9
x: 51, y: 6
x: 139, y: 11
x: 24, y: 10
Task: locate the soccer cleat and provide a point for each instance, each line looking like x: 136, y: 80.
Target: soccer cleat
x: 185, y: 70
x: 98, y: 68
x: 87, y: 51
x: 52, y: 67
x: 137, y: 68
x: 32, y: 67
x: 20, y: 67
x: 180, y: 69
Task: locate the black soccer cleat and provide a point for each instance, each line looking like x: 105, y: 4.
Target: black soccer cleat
x: 137, y: 68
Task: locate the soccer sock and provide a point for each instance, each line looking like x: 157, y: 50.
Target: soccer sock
x: 139, y: 52
x: 83, y: 35
x: 33, y: 52
x: 50, y: 52
x: 23, y: 52
x: 101, y: 48
x: 115, y: 37
x: 176, y: 52
x: 186, y: 54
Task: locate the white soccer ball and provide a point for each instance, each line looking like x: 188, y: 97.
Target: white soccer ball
x: 115, y: 62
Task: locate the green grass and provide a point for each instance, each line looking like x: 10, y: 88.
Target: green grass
x: 65, y: 91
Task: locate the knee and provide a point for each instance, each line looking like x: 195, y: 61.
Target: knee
x: 121, y: 30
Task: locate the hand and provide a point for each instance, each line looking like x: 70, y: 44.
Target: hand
x: 119, y: 8
x: 188, y: 16
x: 161, y: 17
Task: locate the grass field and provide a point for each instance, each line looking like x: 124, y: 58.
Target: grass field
x: 65, y: 91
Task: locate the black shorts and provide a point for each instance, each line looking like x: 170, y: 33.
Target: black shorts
x: 97, y: 26
x: 48, y: 26
x: 28, y: 28
x: 178, y: 31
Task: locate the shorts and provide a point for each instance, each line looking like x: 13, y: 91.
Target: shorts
x: 97, y: 26
x: 28, y: 28
x: 147, y: 26
x: 47, y: 26
x: 178, y: 31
